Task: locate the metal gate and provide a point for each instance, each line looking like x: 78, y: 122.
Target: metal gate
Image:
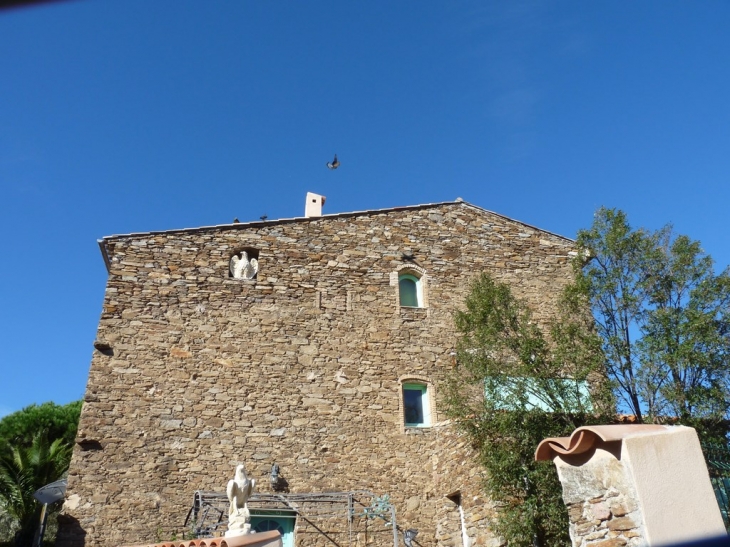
x: 718, y: 466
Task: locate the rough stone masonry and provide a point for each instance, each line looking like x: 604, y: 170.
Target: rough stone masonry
x: 303, y: 366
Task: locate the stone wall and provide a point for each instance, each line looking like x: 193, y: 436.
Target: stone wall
x: 300, y: 366
x: 604, y: 521
x: 602, y: 503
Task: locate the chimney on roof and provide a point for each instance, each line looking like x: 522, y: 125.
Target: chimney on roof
x: 314, y: 204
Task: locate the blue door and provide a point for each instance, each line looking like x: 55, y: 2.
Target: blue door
x: 282, y: 522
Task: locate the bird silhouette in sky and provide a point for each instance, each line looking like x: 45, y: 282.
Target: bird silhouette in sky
x: 334, y: 164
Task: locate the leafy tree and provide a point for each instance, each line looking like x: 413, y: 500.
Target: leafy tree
x: 516, y: 383
x: 664, y: 319
x: 59, y: 421
x: 25, y: 469
x: 35, y: 448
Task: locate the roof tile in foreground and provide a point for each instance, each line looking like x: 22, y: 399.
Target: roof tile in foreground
x: 587, y: 438
x: 261, y: 539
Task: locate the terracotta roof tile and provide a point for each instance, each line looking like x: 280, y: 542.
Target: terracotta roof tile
x: 586, y: 438
x: 261, y: 539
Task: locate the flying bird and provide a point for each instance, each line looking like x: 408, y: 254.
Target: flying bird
x: 334, y: 164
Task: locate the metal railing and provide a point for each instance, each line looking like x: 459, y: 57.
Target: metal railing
x: 208, y: 516
x: 717, y: 458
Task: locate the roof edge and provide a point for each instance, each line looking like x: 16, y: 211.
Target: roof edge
x: 244, y: 225
x: 571, y: 240
x: 104, y: 254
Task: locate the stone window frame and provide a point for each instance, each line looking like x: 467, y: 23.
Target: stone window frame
x: 422, y: 286
x: 430, y: 418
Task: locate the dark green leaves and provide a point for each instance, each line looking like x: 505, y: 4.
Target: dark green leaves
x: 57, y: 420
x: 516, y: 383
x: 35, y: 450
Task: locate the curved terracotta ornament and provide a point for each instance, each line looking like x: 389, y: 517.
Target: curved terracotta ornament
x: 586, y: 438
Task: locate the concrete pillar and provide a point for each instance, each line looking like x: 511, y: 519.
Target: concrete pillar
x: 634, y: 485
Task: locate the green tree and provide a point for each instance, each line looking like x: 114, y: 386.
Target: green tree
x: 516, y: 383
x: 663, y: 317
x: 28, y: 438
x: 58, y: 421
x: 25, y: 469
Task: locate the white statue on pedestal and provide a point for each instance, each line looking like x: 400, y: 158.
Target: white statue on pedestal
x: 239, y: 490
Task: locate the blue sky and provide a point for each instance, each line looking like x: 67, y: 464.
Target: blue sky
x: 128, y: 116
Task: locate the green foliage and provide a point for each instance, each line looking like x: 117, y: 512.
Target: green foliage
x: 35, y: 450
x: 59, y: 421
x: 515, y: 385
x: 25, y: 469
x: 663, y: 317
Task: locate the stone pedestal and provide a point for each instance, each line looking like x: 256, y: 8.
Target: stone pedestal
x: 238, y: 526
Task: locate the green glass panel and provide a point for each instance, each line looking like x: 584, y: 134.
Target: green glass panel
x: 408, y: 292
x: 512, y: 392
x: 413, y: 405
x: 285, y: 526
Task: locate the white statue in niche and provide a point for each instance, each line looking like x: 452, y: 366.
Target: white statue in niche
x: 239, y: 490
x: 242, y: 267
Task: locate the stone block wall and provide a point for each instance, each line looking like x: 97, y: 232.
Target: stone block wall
x: 602, y: 503
x: 300, y: 366
x: 606, y: 521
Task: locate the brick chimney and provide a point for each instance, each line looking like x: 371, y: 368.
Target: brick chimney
x: 314, y: 204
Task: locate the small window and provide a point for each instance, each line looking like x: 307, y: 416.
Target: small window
x: 416, y: 411
x: 409, y: 288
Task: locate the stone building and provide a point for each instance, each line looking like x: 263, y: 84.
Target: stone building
x: 325, y: 360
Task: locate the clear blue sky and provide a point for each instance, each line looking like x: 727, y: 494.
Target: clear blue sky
x: 124, y: 116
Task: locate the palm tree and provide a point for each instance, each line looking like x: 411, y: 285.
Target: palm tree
x: 23, y: 470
